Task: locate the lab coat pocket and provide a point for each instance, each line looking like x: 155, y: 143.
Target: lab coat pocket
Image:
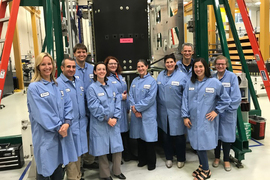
x: 99, y: 128
x: 228, y: 117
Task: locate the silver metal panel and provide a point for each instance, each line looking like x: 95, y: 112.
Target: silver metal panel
x: 161, y: 23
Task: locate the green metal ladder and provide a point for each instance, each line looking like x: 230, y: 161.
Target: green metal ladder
x: 241, y: 145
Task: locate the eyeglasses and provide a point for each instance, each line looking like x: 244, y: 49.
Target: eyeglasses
x: 111, y: 64
x: 220, y: 64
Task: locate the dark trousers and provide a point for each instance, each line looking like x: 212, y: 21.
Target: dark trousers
x: 127, y: 154
x: 203, y: 159
x: 57, y: 174
x: 226, y: 150
x: 146, y: 153
x: 177, y: 142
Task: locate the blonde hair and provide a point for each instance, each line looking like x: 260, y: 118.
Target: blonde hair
x: 37, y: 75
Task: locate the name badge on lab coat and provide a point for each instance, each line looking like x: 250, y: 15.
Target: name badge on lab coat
x: 62, y: 93
x: 114, y: 82
x: 44, y: 94
x: 158, y: 82
x: 147, y: 86
x: 226, y: 84
x: 175, y: 83
x: 210, y: 90
x: 100, y: 94
x: 78, y: 77
x: 67, y: 90
x: 91, y: 76
x: 191, y: 89
x: 133, y: 85
x: 82, y: 88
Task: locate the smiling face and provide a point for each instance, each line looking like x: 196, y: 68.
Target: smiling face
x: 112, y: 65
x: 142, y: 69
x: 45, y: 68
x: 80, y: 55
x: 187, y: 52
x: 199, y: 70
x: 100, y: 72
x: 221, y: 65
x: 170, y: 64
x: 69, y: 69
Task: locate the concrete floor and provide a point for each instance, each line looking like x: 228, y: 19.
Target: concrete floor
x: 256, y: 165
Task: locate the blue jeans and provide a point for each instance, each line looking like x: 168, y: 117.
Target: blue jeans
x: 203, y: 159
x: 57, y: 174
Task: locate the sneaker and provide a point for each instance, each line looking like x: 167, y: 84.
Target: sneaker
x: 169, y: 163
x: 180, y: 164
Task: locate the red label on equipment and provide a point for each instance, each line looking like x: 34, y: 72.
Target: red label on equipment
x: 126, y: 40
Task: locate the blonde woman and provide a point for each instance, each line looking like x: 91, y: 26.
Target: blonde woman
x: 50, y: 113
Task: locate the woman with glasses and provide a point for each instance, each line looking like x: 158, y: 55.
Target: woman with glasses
x: 227, y: 119
x: 114, y: 76
x: 171, y: 84
x: 143, y: 125
x: 204, y: 98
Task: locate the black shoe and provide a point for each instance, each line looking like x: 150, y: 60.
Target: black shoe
x: 120, y: 176
x: 151, y: 167
x: 141, y: 164
x: 94, y: 165
x: 108, y: 178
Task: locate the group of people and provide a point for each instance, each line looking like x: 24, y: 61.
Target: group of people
x: 89, y: 105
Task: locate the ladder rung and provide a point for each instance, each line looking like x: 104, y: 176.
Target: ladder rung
x: 2, y: 40
x: 4, y: 19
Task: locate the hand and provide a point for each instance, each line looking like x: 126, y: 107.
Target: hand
x: 63, y: 130
x: 211, y: 116
x: 124, y: 96
x: 187, y: 123
x: 112, y: 122
x: 133, y: 109
x: 138, y: 114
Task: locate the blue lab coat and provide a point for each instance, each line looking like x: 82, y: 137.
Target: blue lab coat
x: 85, y: 74
x: 142, y: 95
x: 49, y: 107
x: 104, y: 103
x: 228, y: 119
x: 80, y: 121
x: 121, y: 86
x: 169, y: 101
x: 201, y: 98
x: 181, y: 67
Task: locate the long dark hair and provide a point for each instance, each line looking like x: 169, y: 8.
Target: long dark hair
x: 95, y: 68
x: 207, y: 72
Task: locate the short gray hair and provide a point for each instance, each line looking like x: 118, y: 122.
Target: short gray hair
x: 187, y: 44
x: 63, y: 61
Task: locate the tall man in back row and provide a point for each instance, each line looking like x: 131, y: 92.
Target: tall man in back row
x: 84, y: 72
x: 185, y: 64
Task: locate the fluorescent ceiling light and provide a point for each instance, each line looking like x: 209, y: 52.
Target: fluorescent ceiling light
x: 185, y: 2
x: 257, y: 3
